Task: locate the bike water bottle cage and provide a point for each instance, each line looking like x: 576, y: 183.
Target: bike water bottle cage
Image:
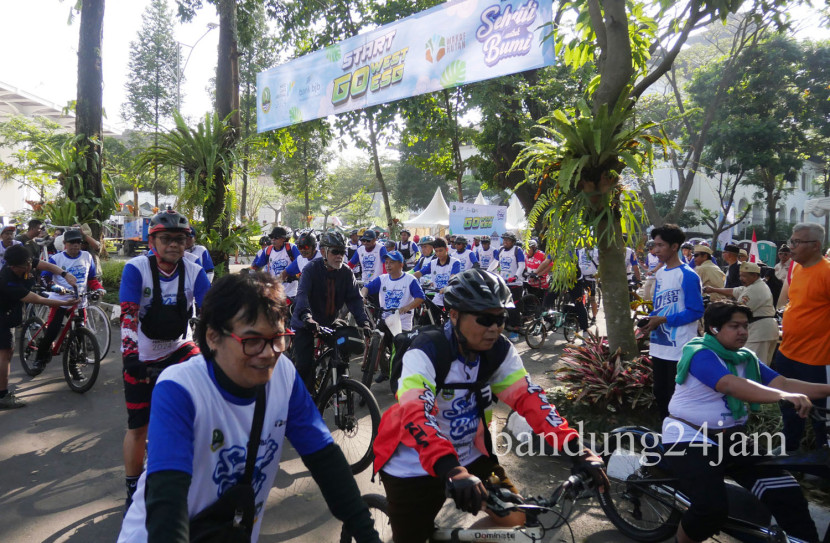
x: 166, y: 322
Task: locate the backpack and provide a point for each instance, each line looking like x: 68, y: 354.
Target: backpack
x: 444, y: 356
x: 287, y: 248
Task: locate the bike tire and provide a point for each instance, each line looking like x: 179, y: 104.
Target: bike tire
x: 373, y: 360
x: 81, y: 349
x: 379, y: 508
x: 571, y: 327
x: 531, y: 306
x: 641, y: 512
x: 536, y: 333
x: 355, y: 430
x: 98, y: 323
x: 26, y: 348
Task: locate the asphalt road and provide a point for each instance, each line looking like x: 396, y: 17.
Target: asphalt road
x: 61, y: 473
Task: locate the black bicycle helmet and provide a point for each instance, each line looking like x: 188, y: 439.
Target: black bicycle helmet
x: 169, y: 220
x: 426, y: 240
x: 485, y: 238
x: 405, y: 231
x: 332, y: 239
x: 475, y: 290
x: 460, y: 239
x: 279, y: 232
x: 687, y: 245
x: 509, y: 235
x: 307, y: 238
x: 264, y: 240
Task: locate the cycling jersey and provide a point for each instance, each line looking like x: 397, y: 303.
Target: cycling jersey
x: 423, y: 428
x: 3, y: 251
x: 82, y: 267
x: 512, y: 264
x: 466, y: 258
x: 630, y: 262
x: 678, y: 297
x: 486, y: 257
x: 293, y: 271
x: 532, y: 263
x: 652, y: 262
x: 201, y: 252
x: 395, y: 293
x: 409, y: 250
x: 372, y: 263
x: 274, y: 261
x: 588, y: 261
x: 441, y: 274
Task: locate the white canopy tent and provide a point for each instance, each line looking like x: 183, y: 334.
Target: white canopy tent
x: 819, y: 207
x: 480, y: 199
x: 436, y: 215
x: 515, y: 215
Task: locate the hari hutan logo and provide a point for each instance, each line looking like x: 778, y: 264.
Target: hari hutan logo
x: 436, y: 48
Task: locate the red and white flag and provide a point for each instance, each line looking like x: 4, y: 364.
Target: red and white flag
x: 754, y: 256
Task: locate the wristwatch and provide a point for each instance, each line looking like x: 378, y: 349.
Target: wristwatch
x: 63, y: 274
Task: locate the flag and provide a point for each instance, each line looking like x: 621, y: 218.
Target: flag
x: 754, y: 255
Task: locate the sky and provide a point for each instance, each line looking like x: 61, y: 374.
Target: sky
x: 40, y: 51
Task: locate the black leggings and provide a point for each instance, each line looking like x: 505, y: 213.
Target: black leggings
x: 665, y: 373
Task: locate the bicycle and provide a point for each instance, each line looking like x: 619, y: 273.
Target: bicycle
x: 96, y: 322
x: 81, y: 354
x: 644, y: 504
x: 551, y: 320
x: 348, y: 407
x: 376, y: 355
x: 501, y: 502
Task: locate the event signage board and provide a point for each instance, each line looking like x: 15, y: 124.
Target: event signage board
x: 455, y: 43
x: 478, y: 220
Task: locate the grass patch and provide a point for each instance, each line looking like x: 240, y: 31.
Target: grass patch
x: 111, y: 272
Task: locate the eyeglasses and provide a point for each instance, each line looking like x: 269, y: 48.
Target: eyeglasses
x: 338, y: 252
x: 304, y: 247
x: 797, y: 242
x: 489, y: 319
x: 252, y: 346
x: 169, y: 240
x: 701, y: 254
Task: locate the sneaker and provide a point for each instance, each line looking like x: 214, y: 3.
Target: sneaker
x: 75, y: 372
x: 10, y: 401
x: 379, y: 378
x: 513, y: 336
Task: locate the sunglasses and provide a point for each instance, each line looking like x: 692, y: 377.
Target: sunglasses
x: 252, y: 346
x: 489, y: 319
x: 337, y: 252
x: 304, y: 247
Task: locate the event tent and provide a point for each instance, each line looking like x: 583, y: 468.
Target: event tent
x: 515, y: 215
x: 435, y: 215
x: 480, y: 199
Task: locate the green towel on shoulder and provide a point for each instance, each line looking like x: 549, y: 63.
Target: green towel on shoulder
x: 731, y: 358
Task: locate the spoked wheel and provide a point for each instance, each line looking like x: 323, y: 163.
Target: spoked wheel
x: 27, y: 345
x: 642, y: 511
x: 379, y: 508
x: 570, y: 327
x: 352, y: 415
x: 374, y: 359
x: 98, y: 323
x: 81, y: 360
x: 535, y: 334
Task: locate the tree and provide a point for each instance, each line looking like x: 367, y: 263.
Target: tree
x: 665, y: 201
x: 151, y: 87
x: 24, y: 136
x: 728, y: 180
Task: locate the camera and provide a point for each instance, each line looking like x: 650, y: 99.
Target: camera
x: 643, y: 322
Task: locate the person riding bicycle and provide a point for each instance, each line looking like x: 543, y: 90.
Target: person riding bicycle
x: 687, y: 254
x: 203, y: 412
x: 81, y: 265
x: 588, y: 261
x: 434, y: 442
x: 511, y: 264
x: 705, y: 428
x: 409, y: 250
x: 369, y: 256
x: 200, y: 252
x: 537, y: 283
x: 307, y: 244
x: 278, y: 256
x: 399, y: 293
x: 427, y: 253
x: 485, y: 253
x: 441, y: 269
x: 464, y: 254
x: 324, y: 286
x: 158, y: 291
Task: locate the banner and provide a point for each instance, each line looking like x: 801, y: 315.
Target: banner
x: 459, y: 42
x: 478, y: 220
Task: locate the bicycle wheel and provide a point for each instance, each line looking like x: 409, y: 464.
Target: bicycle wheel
x: 379, y: 508
x: 536, y: 333
x: 644, y: 512
x: 571, y: 327
x: 352, y: 415
x: 374, y: 359
x: 81, y: 360
x: 531, y: 306
x: 98, y: 323
x: 26, y: 345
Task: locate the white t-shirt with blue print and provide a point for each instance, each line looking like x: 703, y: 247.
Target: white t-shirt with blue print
x: 678, y: 296
x: 395, y: 293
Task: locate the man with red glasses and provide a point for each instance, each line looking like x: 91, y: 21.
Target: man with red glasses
x: 158, y: 291
x: 325, y: 285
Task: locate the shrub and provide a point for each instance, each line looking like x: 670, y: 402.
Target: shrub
x: 111, y: 271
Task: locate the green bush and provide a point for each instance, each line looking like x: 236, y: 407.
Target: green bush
x: 111, y: 272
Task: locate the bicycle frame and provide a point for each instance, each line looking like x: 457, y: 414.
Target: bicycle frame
x: 75, y: 318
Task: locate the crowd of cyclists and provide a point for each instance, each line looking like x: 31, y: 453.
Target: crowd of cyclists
x: 239, y: 384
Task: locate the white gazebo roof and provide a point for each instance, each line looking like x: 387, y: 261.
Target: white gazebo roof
x: 480, y: 199
x: 515, y: 214
x: 437, y: 213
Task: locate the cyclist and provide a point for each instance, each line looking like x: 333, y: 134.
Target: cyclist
x: 7, y: 240
x: 485, y: 253
x: 398, y: 292
x: 464, y: 254
x: 632, y: 266
x: 15, y: 282
x: 325, y: 286
x: 687, y: 254
x: 369, y: 256
x: 441, y: 268
x: 409, y: 250
x: 427, y: 253
x: 716, y: 378
x: 80, y: 264
x: 190, y: 461
x: 353, y: 244
x: 430, y: 443
x: 200, y: 252
x: 157, y: 293
x: 588, y: 260
x: 536, y: 283
x: 307, y: 244
x: 278, y: 255
x: 511, y: 264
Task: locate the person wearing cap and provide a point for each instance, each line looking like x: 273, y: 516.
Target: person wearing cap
x: 464, y: 254
x: 486, y: 253
x: 756, y: 295
x: 731, y: 254
x: 158, y: 292
x: 408, y: 248
x: 397, y: 292
x: 441, y: 268
x: 277, y: 257
x: 687, y: 254
x: 743, y: 256
x: 710, y: 274
x: 511, y: 265
x: 6, y: 240
x: 588, y: 262
x: 200, y: 252
x: 74, y: 261
x: 16, y: 281
x: 370, y: 257
x: 784, y: 264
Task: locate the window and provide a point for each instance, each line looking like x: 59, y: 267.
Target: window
x: 803, y: 180
x: 793, y: 215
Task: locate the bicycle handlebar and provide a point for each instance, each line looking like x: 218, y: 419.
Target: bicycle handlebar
x: 817, y: 412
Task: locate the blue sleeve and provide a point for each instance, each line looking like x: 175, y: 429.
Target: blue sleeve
x: 373, y: 286
x: 93, y: 271
x: 200, y: 288
x: 473, y: 258
x: 520, y: 256
x: 207, y: 262
x: 293, y: 268
x: 426, y: 270
x: 130, y: 290
x: 47, y: 274
x: 355, y: 260
x: 456, y: 268
x: 170, y: 434
x: 767, y: 374
x: 383, y: 254
x: 693, y: 299
x: 496, y: 254
x: 633, y: 260
x: 707, y: 368
x: 261, y: 259
x: 305, y: 428
x: 417, y: 265
x: 295, y: 252
x: 415, y: 289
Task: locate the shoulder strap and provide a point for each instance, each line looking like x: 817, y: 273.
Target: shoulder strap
x: 288, y: 252
x: 254, y: 437
x: 181, y: 298
x: 268, y: 250
x: 154, y: 272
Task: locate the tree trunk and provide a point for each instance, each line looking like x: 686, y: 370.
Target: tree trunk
x: 89, y: 104
x: 373, y: 141
x: 456, y: 145
x: 243, y: 205
x: 306, y: 183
